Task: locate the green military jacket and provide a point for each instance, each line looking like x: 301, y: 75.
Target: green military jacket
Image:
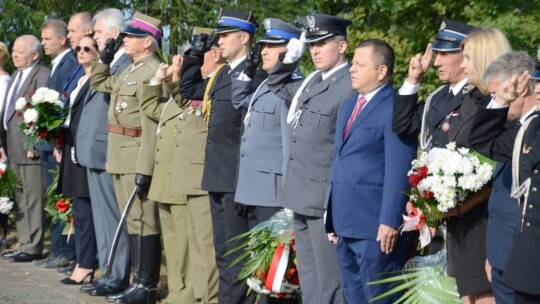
x: 181, y: 140
x: 128, y: 154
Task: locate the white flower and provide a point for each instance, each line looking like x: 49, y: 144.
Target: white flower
x: 52, y: 96
x: 20, y: 103
x: 38, y: 97
x: 5, y: 205
x: 30, y: 115
x: 451, y: 146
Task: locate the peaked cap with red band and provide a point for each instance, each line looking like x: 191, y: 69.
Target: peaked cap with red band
x: 143, y: 25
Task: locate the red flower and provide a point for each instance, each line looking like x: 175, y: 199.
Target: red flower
x: 428, y: 194
x: 28, y: 105
x: 19, y: 114
x: 64, y: 94
x: 414, y: 179
x: 281, y: 295
x: 30, y: 124
x: 31, y: 94
x: 42, y: 134
x: 60, y: 140
x: 423, y: 171
x: 294, y: 280
x: 62, y: 206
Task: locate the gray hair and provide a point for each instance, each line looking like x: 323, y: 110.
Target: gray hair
x: 155, y: 45
x: 32, y: 43
x: 114, y: 18
x: 508, y: 64
x: 58, y: 26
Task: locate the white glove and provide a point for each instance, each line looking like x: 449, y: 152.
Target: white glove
x: 295, y: 49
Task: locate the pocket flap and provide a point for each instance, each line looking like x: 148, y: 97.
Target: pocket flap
x: 318, y: 173
x: 322, y: 109
x: 269, y: 166
x: 265, y: 108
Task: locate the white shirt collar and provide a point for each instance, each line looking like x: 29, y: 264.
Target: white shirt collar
x: 327, y: 74
x: 524, y: 117
x: 58, y: 58
x: 457, y: 88
x: 235, y: 63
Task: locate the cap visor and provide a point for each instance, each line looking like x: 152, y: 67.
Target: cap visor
x: 536, y: 75
x: 226, y: 29
x: 318, y: 38
x: 445, y: 46
x: 273, y: 41
x: 135, y: 32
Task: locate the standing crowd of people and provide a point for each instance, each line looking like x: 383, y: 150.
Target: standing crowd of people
x: 219, y: 140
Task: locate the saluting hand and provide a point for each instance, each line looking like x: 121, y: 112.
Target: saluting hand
x: 419, y: 65
x: 161, y: 73
x: 387, y: 236
x: 513, y: 88
x: 176, y: 67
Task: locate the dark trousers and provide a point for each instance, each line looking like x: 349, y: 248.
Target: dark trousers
x: 258, y: 214
x: 227, y: 224
x: 59, y: 242
x: 502, y: 292
x: 526, y: 298
x: 4, y: 222
x: 60, y: 247
x: 362, y: 261
x: 317, y: 262
x: 85, y: 236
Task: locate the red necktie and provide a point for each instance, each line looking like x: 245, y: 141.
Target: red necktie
x: 356, y: 111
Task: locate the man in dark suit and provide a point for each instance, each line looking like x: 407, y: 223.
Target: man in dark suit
x: 518, y: 145
x: 235, y: 31
x: 312, y: 116
x: 431, y: 118
x: 366, y: 203
x: 91, y: 153
x: 30, y: 76
x: 504, y: 211
x: 56, y: 45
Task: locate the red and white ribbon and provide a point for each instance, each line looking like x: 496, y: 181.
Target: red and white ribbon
x: 278, y: 267
x: 416, y: 220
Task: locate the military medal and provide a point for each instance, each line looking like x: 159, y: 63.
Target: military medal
x: 526, y: 149
x: 120, y: 107
x: 446, y: 124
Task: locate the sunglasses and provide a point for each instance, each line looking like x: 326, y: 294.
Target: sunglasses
x: 86, y: 49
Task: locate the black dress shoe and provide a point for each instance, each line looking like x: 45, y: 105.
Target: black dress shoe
x: 88, y: 288
x: 103, y: 291
x: 9, y: 254
x: 24, y: 257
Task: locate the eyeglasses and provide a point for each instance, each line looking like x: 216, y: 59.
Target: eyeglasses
x: 86, y: 49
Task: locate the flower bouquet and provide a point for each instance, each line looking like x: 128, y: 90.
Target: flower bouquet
x: 59, y: 207
x: 42, y: 114
x: 8, y: 186
x: 441, y: 181
x: 423, y: 280
x: 270, y: 255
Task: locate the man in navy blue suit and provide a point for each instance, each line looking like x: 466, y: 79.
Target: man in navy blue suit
x: 56, y: 45
x: 369, y: 175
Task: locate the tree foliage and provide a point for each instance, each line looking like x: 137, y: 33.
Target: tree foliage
x: 408, y: 25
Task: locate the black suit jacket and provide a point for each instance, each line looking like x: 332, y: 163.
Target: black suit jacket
x: 225, y: 125
x: 523, y: 266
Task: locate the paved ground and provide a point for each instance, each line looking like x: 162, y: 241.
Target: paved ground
x: 24, y: 283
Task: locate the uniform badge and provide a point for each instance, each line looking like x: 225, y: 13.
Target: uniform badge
x: 312, y: 22
x: 267, y: 24
x: 526, y: 149
x: 181, y: 116
x: 443, y: 26
x: 120, y: 107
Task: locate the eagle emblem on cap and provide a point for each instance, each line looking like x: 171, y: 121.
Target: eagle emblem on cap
x: 311, y: 21
x: 443, y: 26
x: 267, y: 24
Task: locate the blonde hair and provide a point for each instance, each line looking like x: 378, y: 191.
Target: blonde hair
x: 485, y: 46
x: 4, y: 54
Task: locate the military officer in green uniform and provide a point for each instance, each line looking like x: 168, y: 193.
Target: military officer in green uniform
x: 184, y: 208
x: 130, y: 153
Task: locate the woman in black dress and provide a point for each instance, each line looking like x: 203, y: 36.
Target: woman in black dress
x: 466, y: 224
